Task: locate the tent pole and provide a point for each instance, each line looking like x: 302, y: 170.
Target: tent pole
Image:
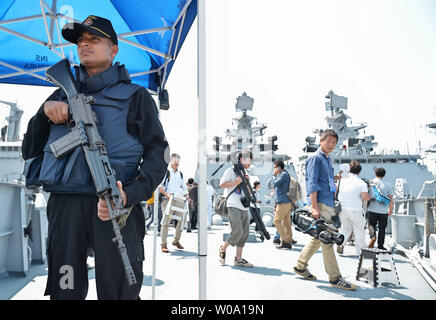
x: 155, y: 222
x: 202, y: 157
x: 49, y: 36
x: 178, y: 37
x: 30, y: 73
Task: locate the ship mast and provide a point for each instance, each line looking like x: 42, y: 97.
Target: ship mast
x: 12, y: 130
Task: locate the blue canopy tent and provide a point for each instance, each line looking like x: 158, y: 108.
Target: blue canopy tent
x: 150, y: 35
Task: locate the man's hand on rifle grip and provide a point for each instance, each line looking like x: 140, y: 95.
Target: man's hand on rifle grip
x: 103, y: 212
x: 56, y: 111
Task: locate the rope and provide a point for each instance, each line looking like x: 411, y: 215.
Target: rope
x: 434, y: 215
x: 427, y: 217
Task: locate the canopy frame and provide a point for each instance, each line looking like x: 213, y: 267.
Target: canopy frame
x: 49, y: 13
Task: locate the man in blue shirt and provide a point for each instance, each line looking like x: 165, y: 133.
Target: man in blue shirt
x: 283, y: 205
x: 320, y: 189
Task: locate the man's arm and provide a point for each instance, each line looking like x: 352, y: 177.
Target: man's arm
x: 225, y: 183
x: 162, y: 190
x: 279, y: 179
x: 365, y: 196
x: 144, y: 124
x: 184, y: 189
x: 231, y: 184
x: 315, y: 209
x: 38, y: 130
x: 391, y: 205
x: 312, y: 175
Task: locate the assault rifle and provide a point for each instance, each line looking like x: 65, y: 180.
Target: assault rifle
x: 85, y: 134
x: 250, y: 197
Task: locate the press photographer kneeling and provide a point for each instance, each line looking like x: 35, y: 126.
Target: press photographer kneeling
x: 320, y: 189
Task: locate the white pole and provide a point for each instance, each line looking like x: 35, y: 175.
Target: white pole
x: 202, y: 156
x: 155, y: 227
x: 155, y: 222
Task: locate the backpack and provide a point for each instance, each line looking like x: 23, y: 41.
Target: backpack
x: 166, y: 179
x: 294, y: 192
x: 168, y: 176
x: 379, y: 197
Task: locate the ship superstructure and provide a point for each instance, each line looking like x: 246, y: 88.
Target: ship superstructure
x: 23, y: 224
x: 11, y: 161
x: 404, y: 171
x: 247, y: 134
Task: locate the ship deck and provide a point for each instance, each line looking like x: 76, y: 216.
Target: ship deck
x: 271, y: 278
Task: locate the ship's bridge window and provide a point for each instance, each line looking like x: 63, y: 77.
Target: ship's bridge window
x: 393, y: 160
x: 16, y: 148
x: 9, y: 148
x: 375, y: 160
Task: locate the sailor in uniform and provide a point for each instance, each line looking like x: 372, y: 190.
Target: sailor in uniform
x: 135, y: 141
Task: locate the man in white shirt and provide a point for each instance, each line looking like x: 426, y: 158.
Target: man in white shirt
x: 173, y: 183
x: 351, y: 192
x: 238, y: 213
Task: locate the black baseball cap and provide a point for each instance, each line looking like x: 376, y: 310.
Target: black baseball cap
x: 95, y: 25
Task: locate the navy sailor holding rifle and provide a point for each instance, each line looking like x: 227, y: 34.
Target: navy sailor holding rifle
x: 135, y: 144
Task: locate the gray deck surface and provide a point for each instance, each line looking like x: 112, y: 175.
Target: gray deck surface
x: 271, y: 278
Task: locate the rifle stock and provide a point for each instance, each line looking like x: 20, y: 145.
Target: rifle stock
x: 59, y: 77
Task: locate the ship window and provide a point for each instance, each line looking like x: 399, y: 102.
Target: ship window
x: 9, y: 148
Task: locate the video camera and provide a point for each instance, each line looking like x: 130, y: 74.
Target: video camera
x: 317, y: 228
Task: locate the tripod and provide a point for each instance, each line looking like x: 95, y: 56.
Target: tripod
x: 250, y: 197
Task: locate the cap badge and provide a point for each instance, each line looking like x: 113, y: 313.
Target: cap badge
x: 88, y: 21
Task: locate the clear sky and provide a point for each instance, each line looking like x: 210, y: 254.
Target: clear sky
x: 287, y: 55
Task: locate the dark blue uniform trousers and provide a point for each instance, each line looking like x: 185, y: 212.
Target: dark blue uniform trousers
x: 74, y: 227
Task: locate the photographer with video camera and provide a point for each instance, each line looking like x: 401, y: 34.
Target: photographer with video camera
x: 237, y: 211
x: 320, y: 188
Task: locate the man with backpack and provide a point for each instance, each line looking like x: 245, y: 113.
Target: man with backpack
x: 173, y: 183
x: 283, y: 205
x: 379, y: 207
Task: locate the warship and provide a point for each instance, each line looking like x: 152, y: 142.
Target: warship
x: 405, y: 172
x: 23, y: 221
x: 412, y: 225
x: 23, y: 266
x: 247, y: 134
x: 11, y: 161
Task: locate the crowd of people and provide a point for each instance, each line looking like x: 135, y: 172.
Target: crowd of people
x: 137, y: 149
x: 359, y: 208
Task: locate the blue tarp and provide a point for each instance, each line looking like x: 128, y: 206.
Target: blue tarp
x: 29, y: 48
